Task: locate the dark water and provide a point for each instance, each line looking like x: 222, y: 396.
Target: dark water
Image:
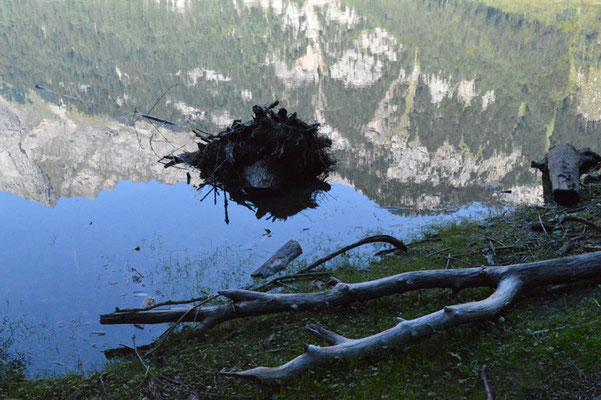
x: 434, y: 109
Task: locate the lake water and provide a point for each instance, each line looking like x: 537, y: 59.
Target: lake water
x: 435, y: 110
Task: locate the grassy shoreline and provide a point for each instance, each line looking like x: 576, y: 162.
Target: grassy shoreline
x: 546, y: 345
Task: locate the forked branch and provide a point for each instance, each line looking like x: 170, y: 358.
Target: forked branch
x: 509, y: 280
x: 406, y: 331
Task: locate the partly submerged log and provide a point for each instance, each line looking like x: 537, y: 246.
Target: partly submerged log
x: 561, y: 170
x: 288, y: 252
x: 275, y: 164
x: 218, y: 314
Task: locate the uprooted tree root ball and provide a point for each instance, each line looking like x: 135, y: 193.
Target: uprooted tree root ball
x: 272, y: 151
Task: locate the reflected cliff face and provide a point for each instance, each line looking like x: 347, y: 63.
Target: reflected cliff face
x: 428, y: 103
x: 48, y: 154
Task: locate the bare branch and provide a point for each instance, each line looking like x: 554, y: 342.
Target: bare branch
x: 371, y: 239
x: 248, y: 303
x: 402, y: 333
x: 330, y: 337
x: 582, y: 221
x: 485, y: 381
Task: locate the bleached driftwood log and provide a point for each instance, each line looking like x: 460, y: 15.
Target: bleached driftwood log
x: 248, y: 303
x: 561, y: 170
x: 342, y: 348
x: 509, y: 282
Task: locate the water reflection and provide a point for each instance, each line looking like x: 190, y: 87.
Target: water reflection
x: 431, y: 105
x: 276, y: 205
x: 419, y: 100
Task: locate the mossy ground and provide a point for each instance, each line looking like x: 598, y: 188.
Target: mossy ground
x: 547, y: 345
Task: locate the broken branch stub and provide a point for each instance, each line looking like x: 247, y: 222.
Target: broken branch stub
x: 561, y: 170
x: 286, y: 254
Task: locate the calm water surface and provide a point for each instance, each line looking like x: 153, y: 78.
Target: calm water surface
x: 434, y: 108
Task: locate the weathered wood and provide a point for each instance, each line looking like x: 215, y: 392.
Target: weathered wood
x: 400, y: 246
x: 563, y: 162
x: 561, y: 170
x: 273, y: 150
x: 588, y: 160
x: 288, y: 252
x: 510, y: 281
x: 261, y: 175
x: 249, y: 303
x: 342, y: 348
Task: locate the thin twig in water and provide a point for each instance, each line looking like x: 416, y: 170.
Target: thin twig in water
x: 163, y: 95
x: 146, y: 366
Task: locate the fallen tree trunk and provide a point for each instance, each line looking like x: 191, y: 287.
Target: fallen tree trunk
x: 248, y: 303
x: 509, y: 282
x: 561, y: 170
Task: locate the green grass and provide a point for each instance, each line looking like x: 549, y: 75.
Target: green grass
x: 546, y: 345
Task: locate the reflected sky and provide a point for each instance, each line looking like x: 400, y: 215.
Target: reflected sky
x: 64, y: 266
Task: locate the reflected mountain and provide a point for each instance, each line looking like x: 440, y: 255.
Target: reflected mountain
x: 48, y: 153
x: 430, y: 104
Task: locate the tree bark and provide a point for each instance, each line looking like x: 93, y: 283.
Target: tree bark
x: 510, y: 281
x: 563, y: 162
x: 561, y: 170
